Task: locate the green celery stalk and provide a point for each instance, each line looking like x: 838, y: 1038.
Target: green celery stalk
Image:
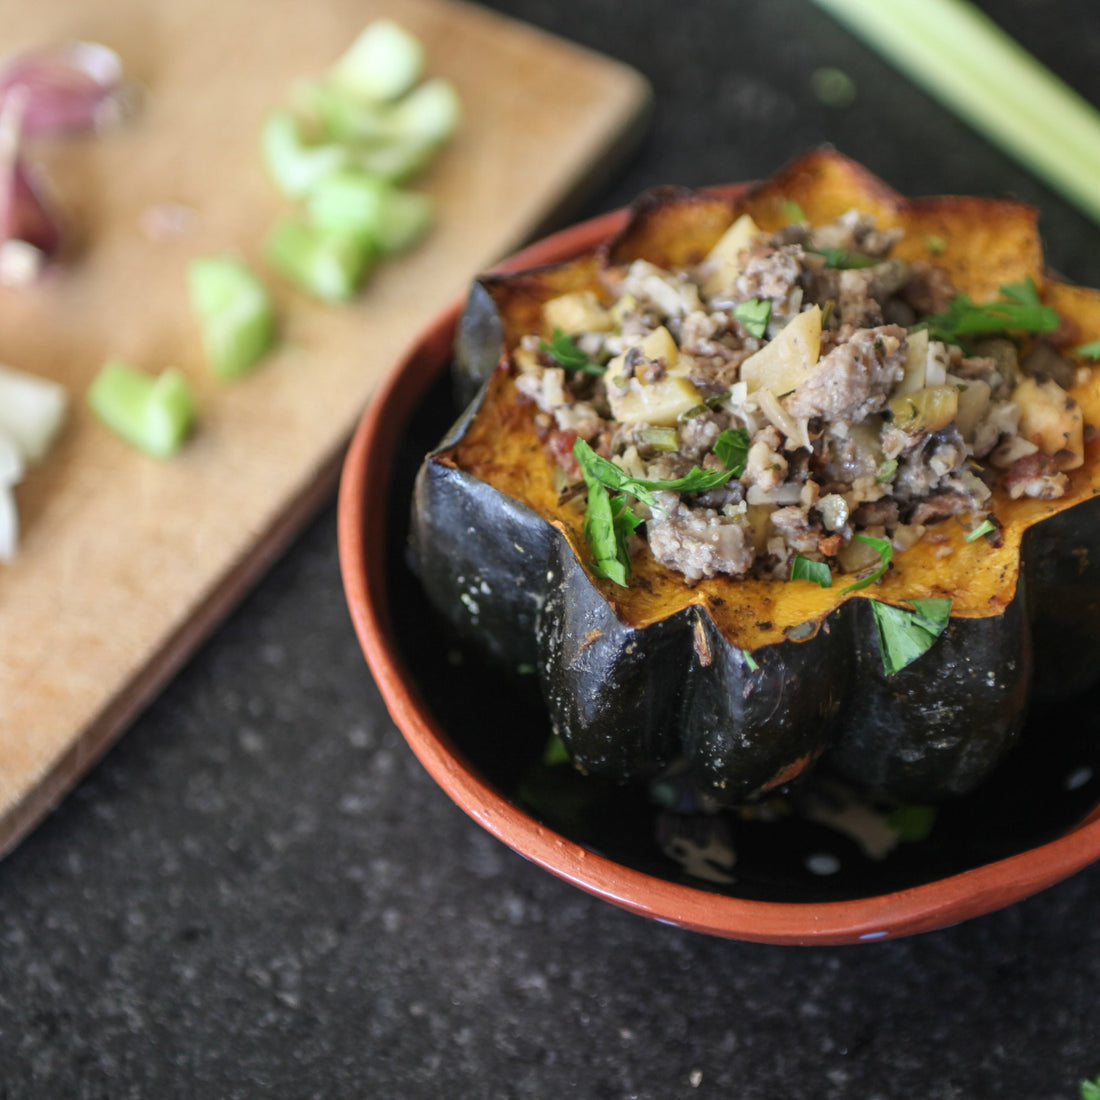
x: 293, y: 164
x: 967, y: 62
x: 235, y: 312
x: 354, y: 202
x: 383, y: 62
x: 329, y: 265
x: 154, y: 413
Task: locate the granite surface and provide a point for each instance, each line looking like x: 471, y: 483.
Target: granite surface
x: 259, y: 892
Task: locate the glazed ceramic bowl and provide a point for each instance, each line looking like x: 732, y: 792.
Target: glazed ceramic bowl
x: 788, y: 880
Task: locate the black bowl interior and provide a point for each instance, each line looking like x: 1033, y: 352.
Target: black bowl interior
x: 784, y: 854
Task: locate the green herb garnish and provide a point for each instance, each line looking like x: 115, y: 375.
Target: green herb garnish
x: 885, y: 553
x: 609, y: 520
x: 754, y: 314
x: 1090, y: 1090
x: 913, y: 823
x: 886, y: 470
x: 1019, y: 309
x: 732, y: 447
x: 806, y: 569
x: 608, y: 523
x: 792, y: 211
x: 596, y: 468
x: 750, y: 661
x: 555, y: 752
x: 986, y: 527
x: 904, y: 634
x: 843, y: 259
x: 564, y: 351
x: 936, y: 245
x: 1089, y: 351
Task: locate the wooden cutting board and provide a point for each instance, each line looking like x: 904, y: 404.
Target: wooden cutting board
x: 126, y: 563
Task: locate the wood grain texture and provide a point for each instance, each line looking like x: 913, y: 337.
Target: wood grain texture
x: 126, y: 563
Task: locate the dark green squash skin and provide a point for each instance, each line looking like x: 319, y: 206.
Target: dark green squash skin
x: 630, y: 703
x: 938, y: 726
x: 1062, y: 562
x: 480, y: 556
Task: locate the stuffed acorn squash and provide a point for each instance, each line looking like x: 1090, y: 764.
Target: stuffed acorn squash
x: 795, y: 474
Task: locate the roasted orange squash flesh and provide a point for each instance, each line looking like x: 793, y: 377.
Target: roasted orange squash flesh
x: 981, y: 245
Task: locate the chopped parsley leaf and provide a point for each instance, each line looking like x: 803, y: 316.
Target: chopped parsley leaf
x: 793, y: 212
x: 913, y: 822
x: 732, y: 447
x: 905, y: 635
x: 608, y: 523
x: 754, y: 314
x: 885, y: 553
x: 1089, y: 351
x: 609, y: 520
x: 564, y: 351
x: 843, y: 259
x: 886, y: 470
x: 806, y: 569
x: 986, y: 527
x: 1019, y: 309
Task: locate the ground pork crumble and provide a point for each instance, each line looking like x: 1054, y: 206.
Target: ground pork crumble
x: 809, y: 341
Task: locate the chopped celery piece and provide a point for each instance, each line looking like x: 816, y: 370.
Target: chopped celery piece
x: 964, y: 59
x: 396, y: 162
x: 336, y: 116
x: 354, y: 202
x: 154, y: 413
x: 423, y: 119
x: 329, y: 265
x: 235, y: 312
x: 429, y: 113
x: 384, y: 62
x: 293, y: 164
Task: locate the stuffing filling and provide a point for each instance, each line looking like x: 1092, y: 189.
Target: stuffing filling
x: 810, y: 347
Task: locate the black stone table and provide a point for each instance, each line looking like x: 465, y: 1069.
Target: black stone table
x: 260, y: 893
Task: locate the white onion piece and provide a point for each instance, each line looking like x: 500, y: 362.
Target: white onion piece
x: 32, y: 411
x: 9, y: 524
x: 12, y: 463
x: 71, y: 88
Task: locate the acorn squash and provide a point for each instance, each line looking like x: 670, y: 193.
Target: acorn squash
x: 744, y: 683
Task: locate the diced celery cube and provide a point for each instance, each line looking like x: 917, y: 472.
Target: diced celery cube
x: 329, y: 265
x: 235, y: 312
x: 429, y: 113
x: 354, y: 202
x: 293, y: 164
x: 384, y: 62
x: 335, y: 115
x: 154, y: 413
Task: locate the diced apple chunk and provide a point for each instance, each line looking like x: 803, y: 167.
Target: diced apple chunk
x: 974, y: 396
x: 1051, y: 419
x: 577, y: 312
x: 658, y: 345
x: 784, y: 363
x: 661, y: 403
x: 925, y: 410
x: 916, y: 363
x: 723, y: 263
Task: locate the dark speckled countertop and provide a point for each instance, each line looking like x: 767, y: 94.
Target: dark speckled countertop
x: 259, y: 892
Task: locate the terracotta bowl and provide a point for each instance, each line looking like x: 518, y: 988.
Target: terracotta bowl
x: 794, y: 881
